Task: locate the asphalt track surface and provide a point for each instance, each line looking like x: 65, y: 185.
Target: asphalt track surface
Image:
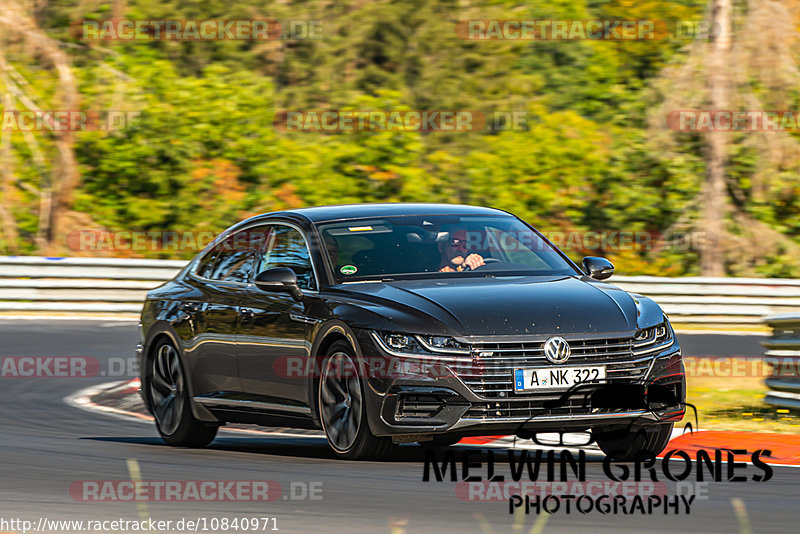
x: 47, y: 445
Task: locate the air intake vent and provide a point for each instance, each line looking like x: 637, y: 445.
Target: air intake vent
x: 418, y: 407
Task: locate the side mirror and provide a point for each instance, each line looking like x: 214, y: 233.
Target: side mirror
x: 598, y: 268
x: 279, y: 279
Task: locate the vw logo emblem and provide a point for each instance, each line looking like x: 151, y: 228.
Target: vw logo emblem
x: 556, y: 349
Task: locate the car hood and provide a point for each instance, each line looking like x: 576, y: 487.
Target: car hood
x: 522, y: 305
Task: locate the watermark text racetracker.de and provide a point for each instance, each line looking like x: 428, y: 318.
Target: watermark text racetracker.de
x: 557, y: 30
x: 582, y: 29
x: 93, y: 240
x: 430, y: 366
x: 367, y: 120
x: 98, y: 526
x: 67, y: 367
x: 378, y: 366
x: 721, y: 120
x: 741, y: 367
x: 194, y: 490
x: 197, y: 30
x: 67, y: 120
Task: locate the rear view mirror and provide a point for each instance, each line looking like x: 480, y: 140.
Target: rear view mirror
x: 279, y: 279
x: 598, y: 268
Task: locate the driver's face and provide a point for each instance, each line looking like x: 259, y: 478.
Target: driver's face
x: 458, y: 242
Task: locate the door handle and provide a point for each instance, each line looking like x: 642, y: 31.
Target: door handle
x: 247, y: 313
x: 190, y: 307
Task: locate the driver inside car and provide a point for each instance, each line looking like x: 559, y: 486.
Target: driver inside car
x: 455, y: 256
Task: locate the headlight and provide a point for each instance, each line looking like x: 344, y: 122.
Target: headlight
x: 399, y: 341
x: 657, y: 334
x: 421, y: 344
x: 443, y: 344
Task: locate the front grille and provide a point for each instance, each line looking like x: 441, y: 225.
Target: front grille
x: 531, y: 406
x: 491, y: 376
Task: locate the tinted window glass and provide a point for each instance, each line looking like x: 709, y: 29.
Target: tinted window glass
x: 206, y: 265
x: 233, y: 266
x: 232, y: 260
x: 287, y: 248
x: 442, y: 245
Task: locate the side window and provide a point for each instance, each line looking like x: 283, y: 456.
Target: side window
x: 286, y: 247
x: 232, y: 260
x: 206, y: 265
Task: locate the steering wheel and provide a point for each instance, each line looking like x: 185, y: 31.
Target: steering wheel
x: 485, y: 261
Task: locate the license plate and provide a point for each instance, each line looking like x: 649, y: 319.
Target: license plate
x: 544, y: 378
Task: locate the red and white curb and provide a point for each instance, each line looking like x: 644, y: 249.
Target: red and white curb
x: 83, y: 400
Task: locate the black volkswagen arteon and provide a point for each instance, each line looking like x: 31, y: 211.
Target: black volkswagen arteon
x: 396, y: 323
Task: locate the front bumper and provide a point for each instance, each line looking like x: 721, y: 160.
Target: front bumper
x: 429, y: 397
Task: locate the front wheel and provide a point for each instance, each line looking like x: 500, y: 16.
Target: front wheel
x: 342, y: 408
x: 169, y: 401
x: 627, y: 443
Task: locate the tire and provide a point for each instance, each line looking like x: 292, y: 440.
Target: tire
x: 168, y: 397
x: 627, y: 443
x: 342, y: 410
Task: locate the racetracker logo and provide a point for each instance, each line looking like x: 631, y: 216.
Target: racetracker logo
x: 66, y: 120
x: 380, y: 121
x: 583, y: 241
x: 583, y: 30
x: 175, y: 490
x: 399, y: 121
x: 67, y: 367
x: 49, y: 367
x: 140, y: 241
x: 379, y: 367
x: 197, y: 30
x: 723, y: 366
x: 488, y: 490
x: 162, y: 241
x: 693, y: 120
x: 560, y: 30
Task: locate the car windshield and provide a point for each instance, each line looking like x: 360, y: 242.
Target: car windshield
x: 423, y: 246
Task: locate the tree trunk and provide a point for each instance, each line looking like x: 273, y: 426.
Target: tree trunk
x: 65, y: 177
x: 714, y: 191
x: 9, y: 229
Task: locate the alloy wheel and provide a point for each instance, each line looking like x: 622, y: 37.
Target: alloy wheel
x: 167, y: 389
x: 341, y: 401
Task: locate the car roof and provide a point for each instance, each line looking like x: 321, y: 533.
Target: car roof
x: 321, y: 214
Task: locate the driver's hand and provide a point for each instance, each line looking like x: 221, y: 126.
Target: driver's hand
x: 474, y: 261
x: 446, y: 269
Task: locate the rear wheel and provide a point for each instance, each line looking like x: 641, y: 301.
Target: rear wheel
x: 342, y: 409
x: 169, y: 400
x: 626, y: 443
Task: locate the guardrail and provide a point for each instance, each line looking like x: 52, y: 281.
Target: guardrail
x: 118, y: 286
x: 783, y: 347
x: 107, y: 286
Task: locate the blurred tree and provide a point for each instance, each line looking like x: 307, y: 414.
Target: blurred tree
x: 749, y: 198
x: 714, y: 194
x: 593, y: 153
x: 57, y: 193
